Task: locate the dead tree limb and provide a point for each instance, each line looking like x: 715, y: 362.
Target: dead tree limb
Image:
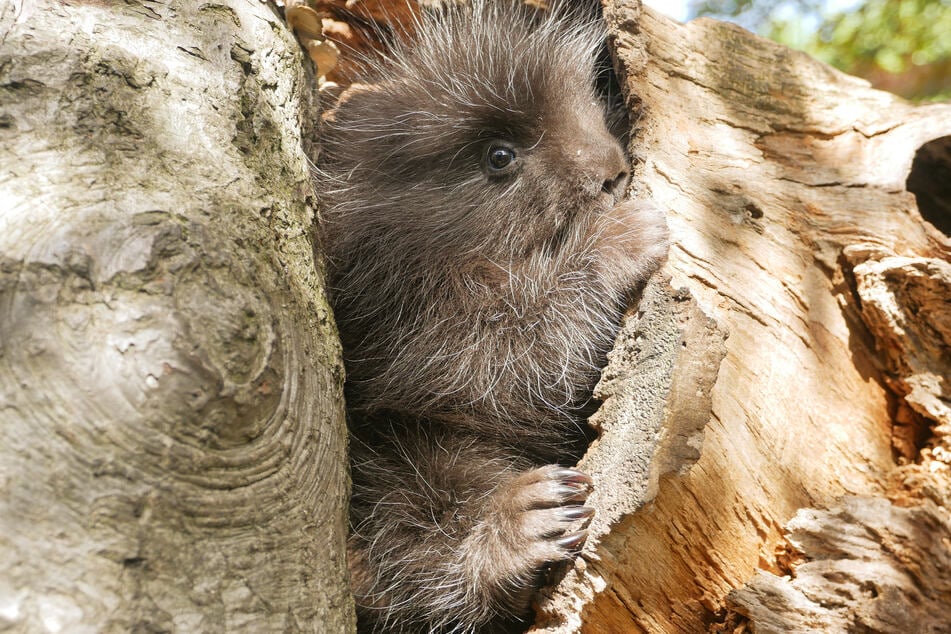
x: 797, y: 236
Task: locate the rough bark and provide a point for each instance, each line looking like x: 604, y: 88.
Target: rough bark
x: 819, y: 498
x: 171, y: 426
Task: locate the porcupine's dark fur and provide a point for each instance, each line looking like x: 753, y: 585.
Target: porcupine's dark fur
x: 475, y: 306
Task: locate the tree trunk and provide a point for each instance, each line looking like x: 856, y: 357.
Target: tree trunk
x: 776, y: 433
x: 172, y: 451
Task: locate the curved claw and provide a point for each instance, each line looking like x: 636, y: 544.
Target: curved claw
x: 573, y: 476
x: 573, y: 541
x: 577, y: 512
x: 572, y: 492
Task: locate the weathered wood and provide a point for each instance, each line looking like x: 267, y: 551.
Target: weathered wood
x: 868, y: 566
x: 794, y: 234
x: 171, y: 425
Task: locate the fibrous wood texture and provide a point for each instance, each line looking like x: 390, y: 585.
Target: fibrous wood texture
x: 171, y: 425
x: 866, y: 566
x: 819, y: 498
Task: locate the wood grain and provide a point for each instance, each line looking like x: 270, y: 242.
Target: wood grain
x: 795, y: 236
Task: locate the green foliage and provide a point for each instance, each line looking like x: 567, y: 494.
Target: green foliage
x: 899, y: 45
x: 752, y: 14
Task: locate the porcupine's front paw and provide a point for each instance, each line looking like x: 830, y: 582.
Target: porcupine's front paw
x: 633, y: 240
x: 535, y: 519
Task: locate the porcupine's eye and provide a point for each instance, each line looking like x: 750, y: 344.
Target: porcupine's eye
x: 499, y: 158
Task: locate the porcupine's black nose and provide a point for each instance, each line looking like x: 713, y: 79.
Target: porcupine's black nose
x: 612, y: 173
x: 615, y: 187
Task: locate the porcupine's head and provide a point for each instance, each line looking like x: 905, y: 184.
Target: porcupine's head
x: 472, y: 214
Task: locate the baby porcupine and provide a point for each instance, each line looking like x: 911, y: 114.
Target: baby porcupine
x: 480, y: 255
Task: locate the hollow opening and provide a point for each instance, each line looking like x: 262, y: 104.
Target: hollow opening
x: 930, y: 181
